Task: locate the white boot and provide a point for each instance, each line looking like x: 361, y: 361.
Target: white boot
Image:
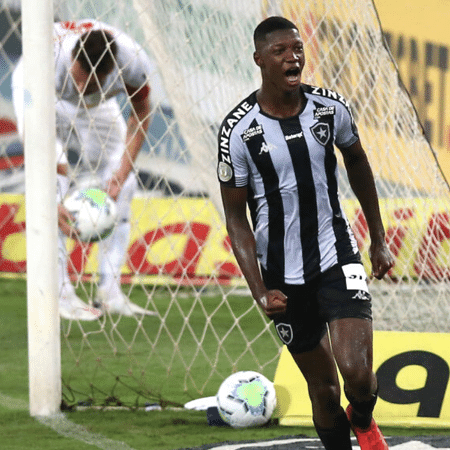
x: 70, y: 305
x: 73, y: 308
x: 114, y: 301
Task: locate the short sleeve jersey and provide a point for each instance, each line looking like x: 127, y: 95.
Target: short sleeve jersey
x: 289, y: 167
x: 131, y: 69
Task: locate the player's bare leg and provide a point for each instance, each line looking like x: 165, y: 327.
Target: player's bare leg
x: 319, y: 370
x: 352, y: 347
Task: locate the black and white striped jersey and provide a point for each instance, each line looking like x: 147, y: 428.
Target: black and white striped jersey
x: 289, y: 167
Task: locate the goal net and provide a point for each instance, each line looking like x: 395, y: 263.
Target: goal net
x: 179, y: 262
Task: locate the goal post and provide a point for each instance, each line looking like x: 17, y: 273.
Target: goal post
x: 44, y: 342
x: 179, y: 261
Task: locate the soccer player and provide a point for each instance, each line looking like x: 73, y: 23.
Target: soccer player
x: 94, y: 63
x: 300, y: 260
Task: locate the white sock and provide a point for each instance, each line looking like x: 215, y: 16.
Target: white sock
x: 112, y: 253
x: 65, y: 287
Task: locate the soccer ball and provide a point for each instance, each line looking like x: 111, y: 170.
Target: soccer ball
x: 94, y: 212
x: 246, y: 399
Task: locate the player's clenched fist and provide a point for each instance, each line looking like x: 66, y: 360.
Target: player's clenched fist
x: 274, y: 302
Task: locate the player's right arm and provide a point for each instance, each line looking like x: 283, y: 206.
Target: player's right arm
x: 244, y: 247
x: 362, y: 183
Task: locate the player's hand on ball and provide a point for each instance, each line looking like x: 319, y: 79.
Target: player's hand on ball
x: 115, y: 184
x: 274, y: 302
x: 113, y: 188
x: 65, y: 221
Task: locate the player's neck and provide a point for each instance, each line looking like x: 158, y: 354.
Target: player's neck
x: 281, y: 104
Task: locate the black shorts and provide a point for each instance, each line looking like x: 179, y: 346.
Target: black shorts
x: 340, y: 292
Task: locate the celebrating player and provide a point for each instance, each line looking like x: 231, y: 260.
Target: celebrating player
x: 94, y: 63
x: 300, y: 260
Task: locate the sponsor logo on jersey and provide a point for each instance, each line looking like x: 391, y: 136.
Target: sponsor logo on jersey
x: 285, y: 333
x: 330, y: 94
x: 227, y: 127
x: 225, y: 168
x: 324, y: 111
x: 252, y: 131
x: 334, y: 96
x: 321, y: 133
x: 294, y: 136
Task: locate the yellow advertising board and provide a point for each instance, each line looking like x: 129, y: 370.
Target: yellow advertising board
x: 417, y: 34
x: 184, y: 240
x: 417, y: 233
x: 181, y: 239
x: 413, y: 376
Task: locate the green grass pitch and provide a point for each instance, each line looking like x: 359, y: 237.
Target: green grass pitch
x: 125, y: 428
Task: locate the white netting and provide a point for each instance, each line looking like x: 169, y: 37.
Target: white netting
x: 179, y: 261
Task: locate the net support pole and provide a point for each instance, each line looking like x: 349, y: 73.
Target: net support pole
x: 44, y: 346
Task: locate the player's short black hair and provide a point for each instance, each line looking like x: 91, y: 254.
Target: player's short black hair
x: 273, y: 23
x: 96, y: 51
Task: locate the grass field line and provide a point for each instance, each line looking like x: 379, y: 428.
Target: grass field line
x: 411, y: 445
x: 66, y: 428
x: 265, y: 444
x: 63, y: 426
x: 414, y: 445
x: 13, y: 403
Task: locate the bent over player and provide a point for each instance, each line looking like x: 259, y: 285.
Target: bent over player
x: 94, y: 63
x: 300, y: 260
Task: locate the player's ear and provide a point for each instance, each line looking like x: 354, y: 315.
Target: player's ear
x: 257, y: 58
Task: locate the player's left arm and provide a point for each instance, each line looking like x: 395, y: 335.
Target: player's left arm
x: 137, y: 127
x: 362, y: 182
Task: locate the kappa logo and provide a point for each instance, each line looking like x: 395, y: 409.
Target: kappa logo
x: 285, y: 332
x: 361, y: 295
x: 266, y: 148
x: 321, y: 133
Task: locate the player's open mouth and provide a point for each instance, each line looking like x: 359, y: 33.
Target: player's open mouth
x: 293, y: 74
